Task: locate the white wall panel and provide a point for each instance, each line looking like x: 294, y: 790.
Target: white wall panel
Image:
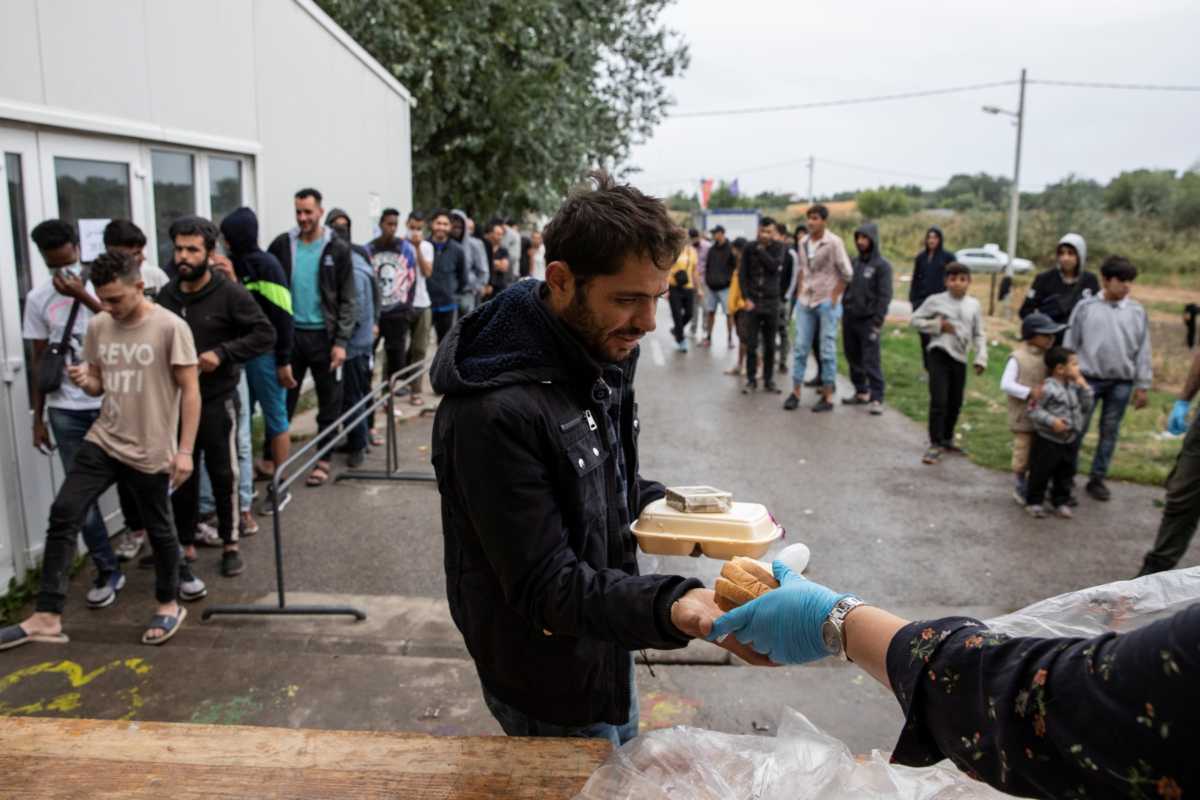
x: 20, y: 59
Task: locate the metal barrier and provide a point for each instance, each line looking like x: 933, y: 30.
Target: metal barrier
x: 287, y: 473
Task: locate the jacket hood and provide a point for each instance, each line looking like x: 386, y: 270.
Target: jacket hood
x: 240, y: 229
x: 183, y: 298
x: 1080, y: 245
x: 871, y: 231
x: 462, y: 215
x: 941, y: 237
x: 333, y: 214
x: 513, y: 339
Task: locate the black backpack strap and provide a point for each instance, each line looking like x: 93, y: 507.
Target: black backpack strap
x: 66, y: 339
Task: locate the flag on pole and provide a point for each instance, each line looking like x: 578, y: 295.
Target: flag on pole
x: 706, y: 187
x: 733, y: 188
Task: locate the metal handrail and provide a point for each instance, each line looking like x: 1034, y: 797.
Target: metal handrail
x: 323, y: 443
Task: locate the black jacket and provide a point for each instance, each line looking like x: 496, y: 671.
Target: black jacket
x: 929, y: 273
x: 224, y: 318
x: 870, y: 290
x: 262, y: 275
x: 449, y: 277
x: 335, y: 277
x: 758, y: 276
x: 1056, y: 298
x: 541, y: 578
x: 719, y: 265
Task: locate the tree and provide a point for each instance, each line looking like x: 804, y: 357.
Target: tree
x: 517, y: 98
x: 876, y: 203
x: 1145, y: 192
x: 1185, y: 212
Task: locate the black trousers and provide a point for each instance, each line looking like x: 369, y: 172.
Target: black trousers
x: 947, y: 380
x: 216, y: 438
x: 357, y: 379
x: 761, y: 323
x: 394, y: 330
x: 860, y: 341
x: 785, y: 319
x: 92, y: 472
x: 443, y: 321
x: 311, y: 350
x: 925, y: 340
x: 1051, y: 464
x: 683, y: 307
x: 1181, y: 514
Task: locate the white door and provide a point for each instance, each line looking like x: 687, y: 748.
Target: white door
x: 28, y: 475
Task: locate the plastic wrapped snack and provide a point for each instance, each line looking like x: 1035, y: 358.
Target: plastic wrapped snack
x: 746, y: 529
x: 699, y: 499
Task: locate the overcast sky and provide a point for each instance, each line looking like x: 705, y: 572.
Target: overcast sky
x: 775, y: 52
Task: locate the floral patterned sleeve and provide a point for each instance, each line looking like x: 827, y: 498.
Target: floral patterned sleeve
x: 1113, y: 716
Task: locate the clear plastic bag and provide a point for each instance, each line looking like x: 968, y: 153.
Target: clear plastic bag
x: 685, y: 763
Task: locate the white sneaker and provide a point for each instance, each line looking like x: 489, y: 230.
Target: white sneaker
x: 190, y: 587
x: 1063, y: 511
x: 130, y: 545
x: 104, y: 592
x: 207, y: 536
x: 1037, y: 512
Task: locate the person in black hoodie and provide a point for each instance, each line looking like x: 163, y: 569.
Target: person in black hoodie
x: 535, y: 450
x: 229, y: 329
x: 865, y: 307
x: 269, y: 375
x: 758, y: 278
x: 719, y: 264
x: 324, y: 308
x: 929, y: 277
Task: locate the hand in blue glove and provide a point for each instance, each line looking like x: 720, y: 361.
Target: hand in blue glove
x: 785, y: 623
x: 1177, y: 422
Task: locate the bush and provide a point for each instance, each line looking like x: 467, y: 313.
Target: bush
x: 878, y: 203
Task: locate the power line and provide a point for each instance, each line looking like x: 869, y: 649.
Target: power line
x: 879, y: 98
x: 881, y: 170
x: 1145, y: 87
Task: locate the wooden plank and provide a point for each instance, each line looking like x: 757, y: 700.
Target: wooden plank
x: 59, y: 757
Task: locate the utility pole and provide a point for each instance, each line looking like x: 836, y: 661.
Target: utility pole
x: 1014, y: 209
x: 810, y: 180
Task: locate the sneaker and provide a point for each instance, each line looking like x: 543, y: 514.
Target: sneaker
x: 248, y: 526
x: 932, y: 456
x: 954, y: 450
x: 356, y: 459
x: 1019, y: 492
x: 792, y: 403
x: 683, y: 346
x: 771, y: 388
x: 1097, y: 490
x: 1037, y: 512
x: 402, y: 391
x: 822, y: 405
x: 104, y: 592
x: 1072, y: 501
x: 130, y: 545
x: 231, y: 563
x: 267, y: 507
x: 190, y: 587
x: 207, y: 536
x: 1063, y: 512
x: 854, y: 400
x: 750, y: 386
x: 875, y: 408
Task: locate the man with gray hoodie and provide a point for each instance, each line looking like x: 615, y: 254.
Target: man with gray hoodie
x: 461, y: 231
x: 1057, y: 291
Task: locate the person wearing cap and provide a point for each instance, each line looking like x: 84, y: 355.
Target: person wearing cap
x: 1022, y: 382
x: 716, y: 274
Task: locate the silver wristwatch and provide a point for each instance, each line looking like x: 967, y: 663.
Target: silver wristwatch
x: 833, y: 631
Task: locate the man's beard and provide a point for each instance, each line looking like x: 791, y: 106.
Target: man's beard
x: 580, y: 320
x: 190, y: 273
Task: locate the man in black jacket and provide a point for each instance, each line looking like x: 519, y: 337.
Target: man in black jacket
x: 449, y: 278
x: 865, y: 307
x: 229, y: 329
x: 758, y: 278
x: 535, y: 449
x: 929, y: 277
x: 719, y: 264
x: 324, y: 307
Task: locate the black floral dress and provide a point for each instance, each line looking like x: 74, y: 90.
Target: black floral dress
x: 1113, y: 716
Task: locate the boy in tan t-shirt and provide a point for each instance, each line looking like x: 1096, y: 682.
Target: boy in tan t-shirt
x: 142, y: 359
x: 1022, y: 382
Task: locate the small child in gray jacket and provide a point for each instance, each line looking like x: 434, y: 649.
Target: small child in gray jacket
x: 1060, y: 419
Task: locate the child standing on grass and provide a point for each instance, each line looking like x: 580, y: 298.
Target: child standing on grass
x: 1022, y: 382
x: 954, y: 321
x: 1060, y: 418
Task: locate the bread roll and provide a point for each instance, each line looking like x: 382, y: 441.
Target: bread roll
x: 742, y: 579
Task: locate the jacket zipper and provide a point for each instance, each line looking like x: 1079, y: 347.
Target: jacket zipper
x: 591, y: 421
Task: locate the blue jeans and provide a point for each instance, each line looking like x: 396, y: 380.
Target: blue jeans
x: 517, y: 723
x: 266, y: 391
x: 245, y: 474
x: 1115, y: 396
x: 69, y: 426
x: 828, y: 316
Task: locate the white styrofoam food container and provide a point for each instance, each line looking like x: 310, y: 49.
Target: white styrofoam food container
x: 746, y: 529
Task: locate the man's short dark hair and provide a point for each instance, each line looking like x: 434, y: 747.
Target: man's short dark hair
x: 598, y: 227
x: 308, y: 191
x: 441, y: 212
x: 123, y: 233
x: 783, y: 231
x: 195, y: 226
x: 1057, y: 355
x: 766, y: 222
x: 388, y: 212
x: 693, y: 233
x: 819, y: 209
x: 53, y: 234
x: 112, y: 266
x: 957, y: 268
x: 416, y: 216
x: 1118, y: 267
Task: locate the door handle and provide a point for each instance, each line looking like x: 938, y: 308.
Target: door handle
x: 10, y: 368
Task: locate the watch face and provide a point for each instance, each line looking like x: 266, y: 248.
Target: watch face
x: 831, y: 638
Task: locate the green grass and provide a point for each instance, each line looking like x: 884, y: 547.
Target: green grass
x: 1141, y: 457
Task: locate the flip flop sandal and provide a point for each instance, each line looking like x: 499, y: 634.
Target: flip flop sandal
x: 164, y: 622
x: 317, y: 477
x: 15, y: 636
x: 376, y: 439
x: 416, y: 400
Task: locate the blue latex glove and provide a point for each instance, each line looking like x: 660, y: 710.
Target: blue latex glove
x: 1177, y: 422
x: 783, y: 624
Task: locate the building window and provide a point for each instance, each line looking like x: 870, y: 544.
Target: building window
x: 174, y: 196
x: 224, y: 186
x: 90, y: 189
x: 20, y: 238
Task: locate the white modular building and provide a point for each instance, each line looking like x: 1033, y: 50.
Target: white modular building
x: 152, y: 109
